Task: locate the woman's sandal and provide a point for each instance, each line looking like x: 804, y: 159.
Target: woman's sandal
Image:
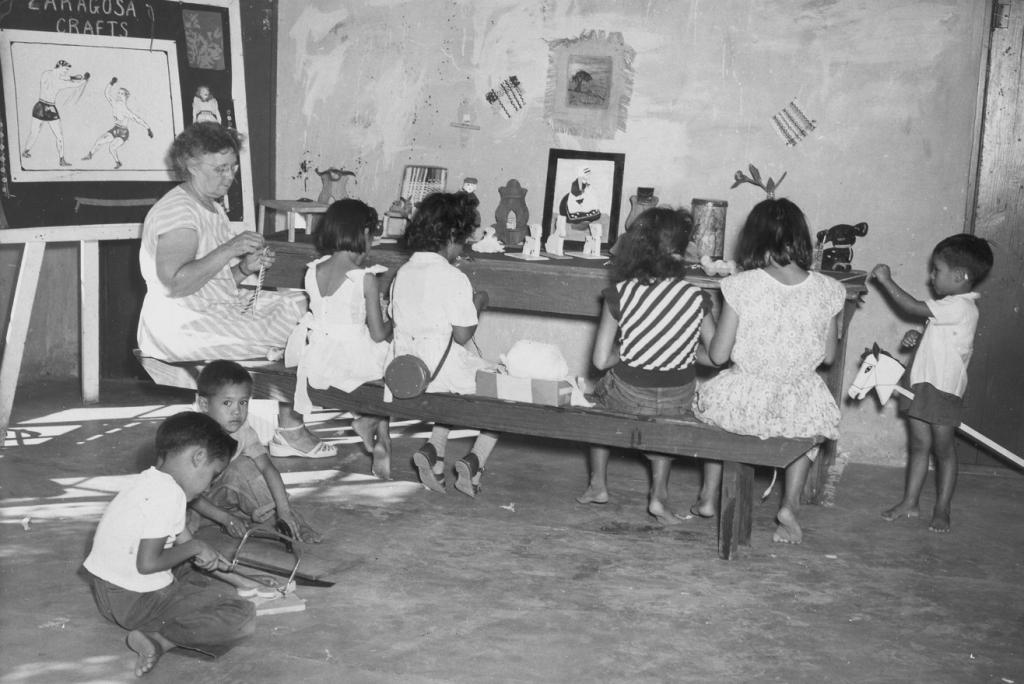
x: 279, y: 448
x: 466, y: 469
x: 425, y: 459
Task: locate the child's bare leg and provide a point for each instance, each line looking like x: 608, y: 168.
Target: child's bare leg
x: 382, y: 449
x: 149, y: 646
x: 597, y: 487
x: 917, y: 471
x: 365, y: 427
x: 657, y: 504
x: 947, y: 467
x: 710, y: 490
x: 788, y: 531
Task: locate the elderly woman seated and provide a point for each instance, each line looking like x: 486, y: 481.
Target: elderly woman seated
x: 193, y: 260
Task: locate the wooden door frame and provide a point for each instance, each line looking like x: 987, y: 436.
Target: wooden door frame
x: 974, y: 167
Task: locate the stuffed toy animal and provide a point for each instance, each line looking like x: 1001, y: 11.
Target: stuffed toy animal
x: 537, y: 360
x: 841, y: 237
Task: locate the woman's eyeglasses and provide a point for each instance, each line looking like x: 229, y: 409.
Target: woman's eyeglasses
x: 223, y: 169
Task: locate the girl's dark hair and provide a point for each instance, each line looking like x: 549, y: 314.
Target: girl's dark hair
x: 654, y: 245
x: 776, y: 230
x: 205, y: 137
x: 969, y: 252
x: 441, y: 218
x: 190, y: 429
x: 343, y: 227
x: 218, y: 374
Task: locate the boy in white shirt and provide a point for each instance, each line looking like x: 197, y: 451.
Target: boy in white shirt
x: 138, y: 567
x: 938, y: 376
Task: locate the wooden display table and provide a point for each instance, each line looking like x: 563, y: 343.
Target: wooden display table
x: 294, y: 209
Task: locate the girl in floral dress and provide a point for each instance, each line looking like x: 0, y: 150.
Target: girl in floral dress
x: 778, y: 324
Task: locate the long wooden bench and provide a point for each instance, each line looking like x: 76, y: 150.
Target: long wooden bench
x: 674, y: 437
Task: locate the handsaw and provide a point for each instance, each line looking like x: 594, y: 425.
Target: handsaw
x: 292, y: 574
x: 299, y: 578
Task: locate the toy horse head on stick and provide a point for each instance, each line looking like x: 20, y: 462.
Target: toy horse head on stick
x: 879, y: 371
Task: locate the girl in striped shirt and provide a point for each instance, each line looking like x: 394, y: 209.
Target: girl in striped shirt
x: 652, y: 325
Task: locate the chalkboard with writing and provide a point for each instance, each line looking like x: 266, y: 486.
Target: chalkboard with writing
x: 94, y: 92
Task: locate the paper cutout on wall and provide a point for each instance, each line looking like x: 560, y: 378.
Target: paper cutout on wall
x: 507, y: 98
x: 792, y: 124
x: 590, y: 83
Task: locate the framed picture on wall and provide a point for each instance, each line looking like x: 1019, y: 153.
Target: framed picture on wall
x: 583, y: 188
x: 89, y: 108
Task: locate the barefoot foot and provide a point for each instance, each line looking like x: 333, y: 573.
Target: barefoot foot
x: 148, y: 650
x: 663, y: 514
x: 365, y: 427
x: 788, y: 531
x: 704, y: 509
x: 381, y: 467
x: 940, y: 522
x: 901, y: 511
x: 593, y: 495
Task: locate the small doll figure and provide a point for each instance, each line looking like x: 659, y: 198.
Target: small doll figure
x: 592, y: 243
x: 469, y: 187
x: 531, y: 246
x: 204, y: 106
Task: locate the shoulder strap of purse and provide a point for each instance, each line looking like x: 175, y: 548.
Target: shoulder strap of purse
x: 451, y: 338
x: 443, y: 357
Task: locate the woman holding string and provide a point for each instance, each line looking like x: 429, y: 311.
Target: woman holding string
x: 193, y: 260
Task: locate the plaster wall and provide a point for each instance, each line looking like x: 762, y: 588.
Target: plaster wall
x: 373, y: 85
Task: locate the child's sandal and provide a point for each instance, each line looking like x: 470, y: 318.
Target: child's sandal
x: 425, y: 459
x: 466, y: 470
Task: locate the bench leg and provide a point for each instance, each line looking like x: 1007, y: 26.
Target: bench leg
x: 736, y: 507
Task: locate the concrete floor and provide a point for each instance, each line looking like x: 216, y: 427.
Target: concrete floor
x: 522, y: 584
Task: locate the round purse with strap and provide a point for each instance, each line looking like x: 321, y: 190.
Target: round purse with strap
x: 407, y: 376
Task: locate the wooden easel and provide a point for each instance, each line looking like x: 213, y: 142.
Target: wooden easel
x: 35, y: 240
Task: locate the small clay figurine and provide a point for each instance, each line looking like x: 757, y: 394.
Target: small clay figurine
x: 204, y: 106
x: 469, y: 187
x: 555, y: 244
x: 643, y: 200
x: 335, y: 184
x: 841, y: 237
x: 513, y: 201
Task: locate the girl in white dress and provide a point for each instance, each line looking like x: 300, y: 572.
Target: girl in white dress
x: 778, y: 324
x: 342, y: 341
x: 432, y: 303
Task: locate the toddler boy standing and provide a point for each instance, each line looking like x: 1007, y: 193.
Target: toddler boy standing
x: 938, y: 376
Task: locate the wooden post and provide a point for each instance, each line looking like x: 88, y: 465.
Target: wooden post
x: 35, y: 240
x: 89, y: 288
x: 735, y: 514
x: 17, y: 328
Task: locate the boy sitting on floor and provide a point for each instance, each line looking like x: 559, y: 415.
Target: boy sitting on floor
x: 250, y: 490
x: 137, y: 567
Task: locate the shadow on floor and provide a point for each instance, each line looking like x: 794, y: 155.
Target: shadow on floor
x: 522, y: 584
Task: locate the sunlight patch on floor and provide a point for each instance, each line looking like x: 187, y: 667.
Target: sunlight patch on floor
x: 40, y: 434
x: 92, y: 669
x: 87, y: 414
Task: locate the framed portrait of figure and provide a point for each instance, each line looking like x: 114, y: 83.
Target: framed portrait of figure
x: 583, y: 188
